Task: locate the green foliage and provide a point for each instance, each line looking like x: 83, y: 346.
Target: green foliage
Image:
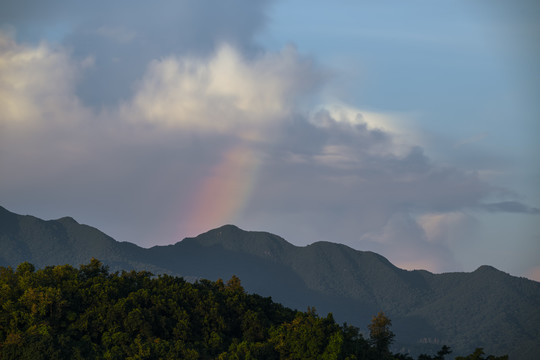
x: 445, y: 350
x: 478, y: 354
x: 308, y: 336
x: 61, y: 312
x: 380, y: 335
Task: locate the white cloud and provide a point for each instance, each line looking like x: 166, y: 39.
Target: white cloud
x: 344, y: 113
x: 447, y: 228
x: 226, y: 93
x: 391, y: 126
x: 36, y: 85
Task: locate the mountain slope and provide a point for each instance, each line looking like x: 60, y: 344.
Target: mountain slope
x: 62, y: 241
x: 484, y: 308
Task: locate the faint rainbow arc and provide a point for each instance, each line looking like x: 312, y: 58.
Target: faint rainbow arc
x: 223, y: 194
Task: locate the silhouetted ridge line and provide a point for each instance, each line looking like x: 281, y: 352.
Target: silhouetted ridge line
x: 485, y: 307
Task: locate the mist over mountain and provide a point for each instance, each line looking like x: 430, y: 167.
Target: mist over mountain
x: 486, y: 308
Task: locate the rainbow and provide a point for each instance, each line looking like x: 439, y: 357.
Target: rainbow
x: 223, y: 194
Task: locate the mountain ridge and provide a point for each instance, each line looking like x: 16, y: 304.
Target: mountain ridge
x: 460, y: 309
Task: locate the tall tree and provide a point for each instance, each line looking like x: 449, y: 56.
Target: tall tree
x: 380, y: 335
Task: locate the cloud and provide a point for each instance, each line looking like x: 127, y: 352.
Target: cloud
x: 166, y: 25
x: 406, y: 243
x: 123, y: 38
x: 224, y: 93
x: 510, y: 207
x: 36, y: 85
x: 447, y: 228
x: 347, y: 181
x: 365, y: 165
x: 141, y: 165
x: 220, y: 125
x: 533, y: 273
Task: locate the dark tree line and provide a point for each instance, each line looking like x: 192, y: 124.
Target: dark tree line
x: 61, y: 312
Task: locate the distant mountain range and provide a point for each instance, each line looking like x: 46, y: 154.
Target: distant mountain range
x: 486, y: 308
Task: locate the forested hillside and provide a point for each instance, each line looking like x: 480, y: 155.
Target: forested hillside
x: 61, y: 312
x: 485, y: 308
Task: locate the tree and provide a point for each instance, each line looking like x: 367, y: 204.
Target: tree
x: 445, y: 350
x: 61, y: 312
x: 478, y: 354
x: 380, y: 335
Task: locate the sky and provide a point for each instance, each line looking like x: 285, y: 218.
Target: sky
x: 405, y: 128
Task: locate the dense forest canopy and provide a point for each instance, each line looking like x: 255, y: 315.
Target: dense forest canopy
x: 61, y: 312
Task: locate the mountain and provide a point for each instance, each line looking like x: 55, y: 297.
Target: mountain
x: 486, y: 308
